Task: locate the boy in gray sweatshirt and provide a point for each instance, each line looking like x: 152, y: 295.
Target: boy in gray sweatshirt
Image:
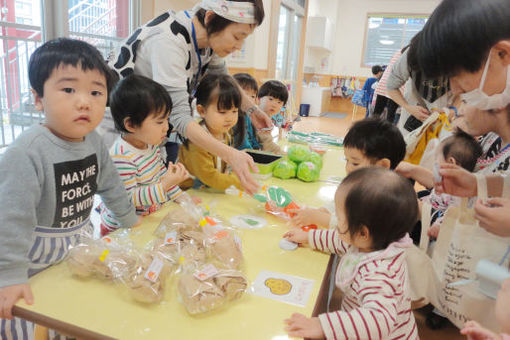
x: 49, y: 175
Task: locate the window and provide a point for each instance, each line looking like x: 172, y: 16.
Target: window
x: 385, y: 34
x: 103, y: 23
x: 290, y: 22
x: 20, y: 34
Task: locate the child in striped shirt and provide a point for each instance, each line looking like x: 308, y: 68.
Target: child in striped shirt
x: 376, y: 209
x: 140, y: 109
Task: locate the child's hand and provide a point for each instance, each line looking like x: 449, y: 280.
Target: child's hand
x: 474, y: 331
x: 433, y: 232
x: 10, y: 295
x: 196, y: 199
x: 300, y: 326
x: 176, y: 174
x: 297, y: 235
x: 304, y: 216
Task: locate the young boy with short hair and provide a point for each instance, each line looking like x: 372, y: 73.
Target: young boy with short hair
x: 50, y: 173
x: 369, y: 142
x: 272, y: 96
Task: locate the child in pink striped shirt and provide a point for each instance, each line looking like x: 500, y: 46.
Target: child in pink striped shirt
x: 376, y: 209
x: 140, y: 109
x: 474, y: 331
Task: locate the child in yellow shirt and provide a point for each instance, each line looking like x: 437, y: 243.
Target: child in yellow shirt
x: 218, y: 101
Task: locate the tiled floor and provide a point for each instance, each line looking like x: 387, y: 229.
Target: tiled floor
x: 339, y: 127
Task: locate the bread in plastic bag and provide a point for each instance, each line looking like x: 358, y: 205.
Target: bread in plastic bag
x: 199, y: 296
x: 224, y: 246
x: 147, y: 285
x: 100, y: 258
x: 232, y: 283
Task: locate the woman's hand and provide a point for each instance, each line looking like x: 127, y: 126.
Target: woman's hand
x: 241, y: 164
x: 419, y: 112
x: 260, y: 120
x: 302, y: 327
x: 456, y: 181
x: 494, y: 216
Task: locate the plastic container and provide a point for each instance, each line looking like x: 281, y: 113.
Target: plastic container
x: 265, y: 161
x: 304, y: 110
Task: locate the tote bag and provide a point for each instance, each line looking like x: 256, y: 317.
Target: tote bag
x: 460, y: 245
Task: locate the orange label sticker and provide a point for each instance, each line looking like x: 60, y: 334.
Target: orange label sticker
x: 220, y: 234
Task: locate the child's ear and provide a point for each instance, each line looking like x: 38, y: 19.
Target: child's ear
x: 37, y: 100
x: 128, y: 124
x: 364, y: 234
x: 201, y: 110
x: 452, y: 160
x: 384, y: 162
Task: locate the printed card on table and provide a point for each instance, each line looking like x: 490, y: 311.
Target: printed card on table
x: 284, y: 288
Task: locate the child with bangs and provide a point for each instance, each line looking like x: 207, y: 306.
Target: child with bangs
x: 218, y: 100
x: 140, y: 109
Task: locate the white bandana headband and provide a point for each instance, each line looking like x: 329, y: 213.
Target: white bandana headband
x: 240, y: 12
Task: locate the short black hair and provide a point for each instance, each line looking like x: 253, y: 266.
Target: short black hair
x: 459, y: 35
x: 224, y: 89
x: 64, y: 51
x: 377, y: 139
x: 246, y: 81
x: 463, y: 148
x: 219, y: 23
x: 376, y: 69
x: 381, y: 200
x: 275, y: 89
x: 136, y: 97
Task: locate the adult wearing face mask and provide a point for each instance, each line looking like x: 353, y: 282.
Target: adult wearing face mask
x: 469, y: 41
x: 176, y: 49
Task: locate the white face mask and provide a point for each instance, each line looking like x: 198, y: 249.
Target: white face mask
x: 481, y: 100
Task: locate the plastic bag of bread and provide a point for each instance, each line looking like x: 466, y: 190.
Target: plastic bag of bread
x: 198, y: 291
x: 146, y: 281
x: 186, y: 247
x: 224, y: 245
x: 209, y: 288
x: 231, y: 282
x: 100, y: 258
x: 176, y: 220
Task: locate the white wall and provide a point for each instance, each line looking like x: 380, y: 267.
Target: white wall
x: 350, y: 29
x: 161, y: 6
x: 256, y: 45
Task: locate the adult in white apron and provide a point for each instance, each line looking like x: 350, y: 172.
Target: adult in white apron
x: 176, y: 49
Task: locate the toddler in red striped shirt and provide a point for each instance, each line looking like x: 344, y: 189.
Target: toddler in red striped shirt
x: 376, y: 209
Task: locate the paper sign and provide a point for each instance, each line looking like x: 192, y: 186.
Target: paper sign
x: 171, y: 238
x: 154, y: 270
x: 206, y: 272
x: 284, y: 288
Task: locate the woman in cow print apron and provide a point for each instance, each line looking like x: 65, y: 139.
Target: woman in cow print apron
x: 176, y: 49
